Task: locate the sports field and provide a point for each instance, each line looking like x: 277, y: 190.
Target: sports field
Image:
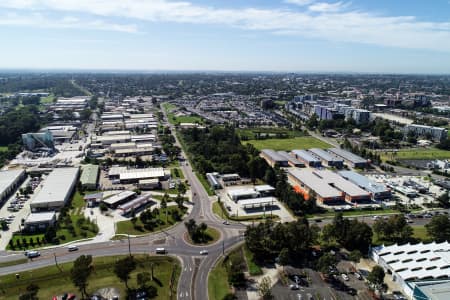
x: 304, y: 142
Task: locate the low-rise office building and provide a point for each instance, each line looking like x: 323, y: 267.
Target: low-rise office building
x: 39, y: 222
x: 292, y: 161
x: 119, y: 199
x: 435, y: 133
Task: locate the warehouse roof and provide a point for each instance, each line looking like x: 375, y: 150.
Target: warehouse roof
x: 8, y: 177
x: 57, y: 185
x: 119, y: 197
x: 242, y: 192
x: 273, y: 155
x: 290, y: 158
x: 89, y: 174
x: 347, y: 155
x: 364, y: 182
x: 142, y: 173
x: 264, y: 188
x: 305, y: 155
x: 257, y: 202
x: 109, y: 138
x: 318, y: 184
x: 341, y: 184
x: 136, y: 203
x: 40, y: 217
x: 322, y: 154
x: 416, y: 261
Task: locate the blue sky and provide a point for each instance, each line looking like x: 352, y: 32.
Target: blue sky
x: 401, y: 36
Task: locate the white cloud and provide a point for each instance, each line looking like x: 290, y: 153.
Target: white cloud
x: 299, y: 2
x: 325, y: 7
x: 330, y: 21
x: 39, y: 20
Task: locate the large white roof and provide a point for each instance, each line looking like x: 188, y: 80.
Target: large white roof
x: 309, y: 178
x: 142, y: 173
x: 417, y: 261
x: 40, y: 217
x: 57, y: 186
x: 8, y: 177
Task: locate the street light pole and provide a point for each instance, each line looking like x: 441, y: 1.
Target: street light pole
x: 129, y: 245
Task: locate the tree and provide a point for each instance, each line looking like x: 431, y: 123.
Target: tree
x: 444, y: 200
x: 264, y: 288
x: 82, y: 268
x: 31, y: 293
x: 439, y: 228
x: 376, y: 277
x: 325, y: 262
x: 123, y: 269
x: 142, y: 279
x: 283, y: 257
x: 355, y: 256
x: 181, y: 188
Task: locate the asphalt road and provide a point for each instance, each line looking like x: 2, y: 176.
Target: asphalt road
x: 193, y: 283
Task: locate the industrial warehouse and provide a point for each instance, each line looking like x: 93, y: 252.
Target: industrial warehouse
x: 125, y: 175
x: 9, y: 181
x: 56, y: 190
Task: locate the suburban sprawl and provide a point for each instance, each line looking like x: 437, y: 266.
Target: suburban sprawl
x: 224, y: 186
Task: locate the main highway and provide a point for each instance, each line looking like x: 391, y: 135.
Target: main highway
x: 193, y: 281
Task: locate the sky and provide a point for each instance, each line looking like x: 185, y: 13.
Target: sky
x: 382, y: 36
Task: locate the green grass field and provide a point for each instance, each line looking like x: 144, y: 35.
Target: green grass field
x: 168, y: 106
x: 218, y: 286
x: 304, y: 142
x: 53, y: 281
x: 420, y: 232
x: 127, y: 227
x: 271, y: 132
x: 176, y: 174
x: 422, y: 153
x: 3, y: 148
x: 212, y: 233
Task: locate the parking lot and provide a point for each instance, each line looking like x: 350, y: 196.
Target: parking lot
x: 14, y: 210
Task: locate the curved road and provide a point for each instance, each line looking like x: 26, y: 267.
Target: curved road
x: 193, y: 283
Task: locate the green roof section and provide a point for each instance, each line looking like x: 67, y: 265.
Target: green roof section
x: 89, y: 175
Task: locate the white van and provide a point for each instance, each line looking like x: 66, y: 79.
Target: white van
x: 160, y: 251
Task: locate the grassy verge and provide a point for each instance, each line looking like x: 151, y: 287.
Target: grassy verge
x: 205, y: 184
x: 220, y: 211
x: 176, y: 173
x: 420, y: 232
x: 127, y: 227
x: 267, y: 132
x: 3, y: 148
x: 13, y: 262
x: 305, y: 142
x: 218, y: 286
x: 252, y: 266
x: 422, y: 153
x: 168, y: 106
x: 53, y: 281
x: 354, y: 213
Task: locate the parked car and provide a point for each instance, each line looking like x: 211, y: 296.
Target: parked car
x: 358, y: 276
x: 344, y: 276
x: 294, y: 286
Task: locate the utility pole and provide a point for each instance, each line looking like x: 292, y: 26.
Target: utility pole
x: 56, y: 262
x: 223, y: 247
x: 129, y: 245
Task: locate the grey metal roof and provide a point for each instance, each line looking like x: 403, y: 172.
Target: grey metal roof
x: 275, y: 156
x: 341, y: 184
x: 348, y: 155
x: 322, y: 154
x: 364, y: 182
x: 314, y: 182
x: 305, y: 155
x: 290, y: 158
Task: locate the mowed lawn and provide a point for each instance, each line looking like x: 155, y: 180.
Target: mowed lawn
x: 53, y: 281
x: 422, y: 153
x: 304, y: 142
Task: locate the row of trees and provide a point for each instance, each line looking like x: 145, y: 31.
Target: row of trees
x: 83, y: 268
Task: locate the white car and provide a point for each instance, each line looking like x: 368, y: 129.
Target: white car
x: 344, y: 276
x: 72, y: 248
x: 203, y: 252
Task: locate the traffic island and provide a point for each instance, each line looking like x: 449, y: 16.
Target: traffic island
x: 209, y: 236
